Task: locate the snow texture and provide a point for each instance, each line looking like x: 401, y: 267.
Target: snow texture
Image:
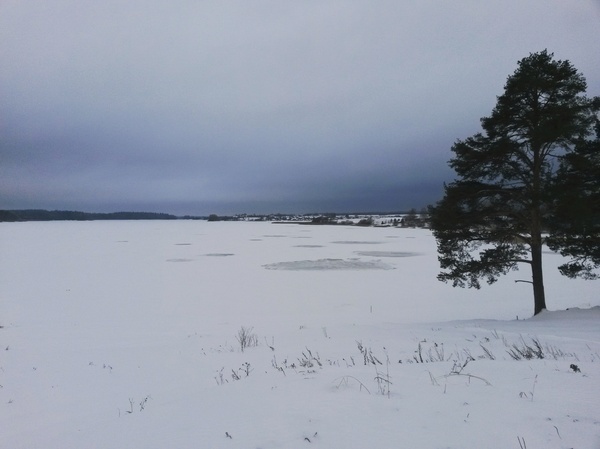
x: 106, y: 343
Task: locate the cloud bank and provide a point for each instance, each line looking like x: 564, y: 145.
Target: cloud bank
x: 199, y: 107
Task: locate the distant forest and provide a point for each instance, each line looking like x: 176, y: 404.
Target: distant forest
x: 57, y: 215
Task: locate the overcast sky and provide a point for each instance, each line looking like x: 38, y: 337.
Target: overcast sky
x: 198, y: 107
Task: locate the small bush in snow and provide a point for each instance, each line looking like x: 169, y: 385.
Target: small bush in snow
x: 246, y: 338
x: 368, y: 357
x: 308, y: 360
x: 383, y: 379
x: 523, y: 350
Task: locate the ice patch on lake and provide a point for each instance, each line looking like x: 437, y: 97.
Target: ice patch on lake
x: 386, y: 253
x: 308, y: 246
x: 179, y: 260
x: 357, y: 242
x: 219, y: 254
x: 329, y: 264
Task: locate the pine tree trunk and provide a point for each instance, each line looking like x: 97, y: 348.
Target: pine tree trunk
x: 539, y: 297
x: 537, y: 275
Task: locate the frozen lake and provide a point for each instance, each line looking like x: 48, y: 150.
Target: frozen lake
x: 199, y: 275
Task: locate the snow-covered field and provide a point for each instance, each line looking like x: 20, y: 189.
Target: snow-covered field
x: 127, y: 335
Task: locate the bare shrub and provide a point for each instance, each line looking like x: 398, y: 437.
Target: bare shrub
x: 523, y: 350
x: 383, y: 379
x: 246, y: 338
x: 245, y: 370
x: 487, y: 352
x: 368, y: 357
x: 308, y: 360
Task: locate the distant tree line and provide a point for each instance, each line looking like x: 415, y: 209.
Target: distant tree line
x: 215, y: 217
x: 415, y: 220
x: 61, y: 215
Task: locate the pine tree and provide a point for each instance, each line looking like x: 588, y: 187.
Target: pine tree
x: 493, y: 217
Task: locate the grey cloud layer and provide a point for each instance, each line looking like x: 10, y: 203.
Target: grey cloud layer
x: 262, y: 105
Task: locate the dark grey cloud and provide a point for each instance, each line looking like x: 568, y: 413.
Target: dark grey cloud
x: 198, y: 107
